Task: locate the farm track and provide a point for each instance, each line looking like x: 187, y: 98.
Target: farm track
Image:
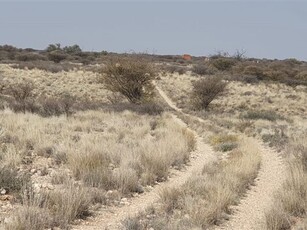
x: 112, y: 217
x: 248, y: 215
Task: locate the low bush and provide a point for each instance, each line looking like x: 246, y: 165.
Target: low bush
x: 205, y: 91
x: 254, y: 70
x: 202, y: 69
x: 45, y: 65
x: 263, y: 114
x: 22, y: 92
x: 223, y: 64
x: 57, y: 56
x: 224, y: 142
x: 30, y: 57
x: 70, y: 203
x: 11, y: 181
x: 301, y: 76
x: 57, y: 208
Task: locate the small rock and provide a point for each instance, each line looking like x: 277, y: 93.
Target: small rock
x: 33, y: 171
x: 3, y: 191
x: 140, y: 189
x: 50, y: 186
x: 124, y: 199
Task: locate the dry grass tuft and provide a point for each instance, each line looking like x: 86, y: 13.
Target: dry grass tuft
x: 223, y: 142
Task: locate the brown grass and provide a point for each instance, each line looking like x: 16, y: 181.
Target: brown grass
x: 290, y: 208
x: 205, y: 199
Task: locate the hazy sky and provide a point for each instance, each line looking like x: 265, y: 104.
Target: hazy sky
x: 271, y: 29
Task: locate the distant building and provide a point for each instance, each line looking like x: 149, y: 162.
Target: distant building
x: 187, y: 57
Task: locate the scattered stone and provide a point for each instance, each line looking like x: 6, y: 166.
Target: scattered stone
x: 33, y: 171
x: 3, y: 191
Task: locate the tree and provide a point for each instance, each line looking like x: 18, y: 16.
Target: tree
x: 53, y: 47
x: 132, y: 77
x: 75, y: 49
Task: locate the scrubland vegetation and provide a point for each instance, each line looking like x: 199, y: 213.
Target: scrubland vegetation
x: 291, y: 201
x: 206, y: 198
x: 81, y: 131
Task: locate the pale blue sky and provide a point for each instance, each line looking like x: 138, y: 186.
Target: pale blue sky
x: 269, y: 29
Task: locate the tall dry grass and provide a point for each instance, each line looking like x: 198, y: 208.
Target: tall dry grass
x: 100, y: 146
x: 205, y: 199
x: 290, y: 206
x: 101, y: 150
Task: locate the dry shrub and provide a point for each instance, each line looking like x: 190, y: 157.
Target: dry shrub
x: 56, y: 208
x: 224, y: 143
x: 175, y: 69
x: 68, y: 204
x: 132, y: 223
x: 126, y: 180
x: 223, y: 64
x: 57, y: 56
x: 275, y: 75
x: 22, y: 92
x: 254, y: 71
x: 301, y: 76
x: 171, y: 199
x: 11, y: 181
x: 130, y: 77
x: 262, y: 114
x: 202, y: 69
x: 44, y: 65
x: 30, y: 57
x: 29, y: 217
x: 205, y: 91
x: 92, y: 168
